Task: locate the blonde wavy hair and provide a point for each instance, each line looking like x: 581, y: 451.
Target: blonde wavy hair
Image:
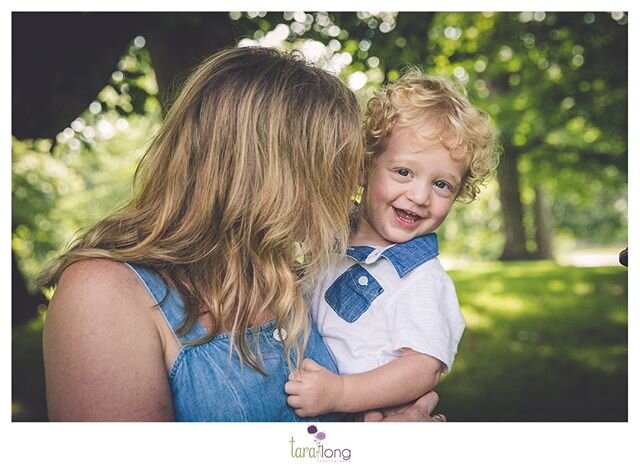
x: 416, y: 99
x: 232, y: 205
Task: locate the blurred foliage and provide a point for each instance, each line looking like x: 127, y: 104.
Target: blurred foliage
x: 473, y: 230
x: 555, y: 84
x: 542, y: 343
x: 62, y: 187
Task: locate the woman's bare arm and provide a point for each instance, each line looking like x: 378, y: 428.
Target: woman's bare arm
x: 103, y: 352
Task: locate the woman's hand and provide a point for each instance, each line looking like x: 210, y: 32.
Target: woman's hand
x: 420, y: 410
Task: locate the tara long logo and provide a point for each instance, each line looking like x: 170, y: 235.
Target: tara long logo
x: 320, y: 436
x: 318, y: 450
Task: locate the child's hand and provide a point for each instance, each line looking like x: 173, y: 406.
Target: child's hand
x: 314, y: 390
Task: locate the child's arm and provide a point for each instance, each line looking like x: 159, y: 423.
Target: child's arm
x: 314, y: 390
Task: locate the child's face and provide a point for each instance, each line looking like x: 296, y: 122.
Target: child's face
x: 411, y: 188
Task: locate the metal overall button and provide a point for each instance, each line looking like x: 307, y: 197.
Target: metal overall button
x: 280, y: 335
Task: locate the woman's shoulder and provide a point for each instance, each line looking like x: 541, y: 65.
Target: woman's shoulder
x: 96, y: 271
x: 103, y: 349
x: 98, y: 285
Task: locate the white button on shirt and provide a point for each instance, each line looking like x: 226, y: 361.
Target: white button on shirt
x: 363, y: 281
x: 373, y: 256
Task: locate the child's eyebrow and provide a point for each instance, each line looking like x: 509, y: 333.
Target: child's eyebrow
x: 456, y: 179
x: 406, y: 157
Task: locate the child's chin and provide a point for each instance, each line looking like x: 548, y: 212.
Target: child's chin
x: 403, y: 238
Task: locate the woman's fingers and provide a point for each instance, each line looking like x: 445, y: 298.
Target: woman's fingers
x: 426, y: 404
x: 421, y: 410
x: 374, y: 415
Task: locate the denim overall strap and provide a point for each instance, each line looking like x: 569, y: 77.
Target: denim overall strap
x: 168, y: 302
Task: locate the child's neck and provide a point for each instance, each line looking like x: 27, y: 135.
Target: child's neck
x: 363, y: 242
x: 365, y: 235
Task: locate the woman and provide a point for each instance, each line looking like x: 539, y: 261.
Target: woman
x: 188, y: 304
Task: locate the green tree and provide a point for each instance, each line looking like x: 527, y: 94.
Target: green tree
x: 555, y: 83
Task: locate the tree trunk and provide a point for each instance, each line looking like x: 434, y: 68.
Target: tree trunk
x: 515, y: 246
x: 60, y: 61
x: 180, y: 41
x: 544, y: 225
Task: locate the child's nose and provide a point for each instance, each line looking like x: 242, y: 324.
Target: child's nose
x: 420, y: 194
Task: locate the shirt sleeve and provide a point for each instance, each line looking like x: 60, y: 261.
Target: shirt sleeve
x: 426, y: 317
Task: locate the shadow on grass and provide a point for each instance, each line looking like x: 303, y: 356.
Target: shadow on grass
x: 543, y: 343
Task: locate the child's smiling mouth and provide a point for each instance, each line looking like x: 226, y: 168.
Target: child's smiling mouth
x: 407, y: 218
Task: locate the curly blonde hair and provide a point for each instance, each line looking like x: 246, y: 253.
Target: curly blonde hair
x: 231, y: 203
x: 416, y: 99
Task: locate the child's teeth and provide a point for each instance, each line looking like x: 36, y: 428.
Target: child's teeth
x: 407, y: 216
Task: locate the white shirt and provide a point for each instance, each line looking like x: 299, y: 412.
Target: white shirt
x: 374, y: 302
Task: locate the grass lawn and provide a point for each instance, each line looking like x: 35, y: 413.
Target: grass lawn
x: 543, y: 343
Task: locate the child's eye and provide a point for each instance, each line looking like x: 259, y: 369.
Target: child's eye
x: 440, y: 184
x: 403, y: 172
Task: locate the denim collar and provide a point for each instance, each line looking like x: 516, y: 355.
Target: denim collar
x: 405, y: 257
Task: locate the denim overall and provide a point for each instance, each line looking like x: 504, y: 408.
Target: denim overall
x: 209, y: 384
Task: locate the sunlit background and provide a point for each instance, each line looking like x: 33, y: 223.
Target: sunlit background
x: 535, y: 258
